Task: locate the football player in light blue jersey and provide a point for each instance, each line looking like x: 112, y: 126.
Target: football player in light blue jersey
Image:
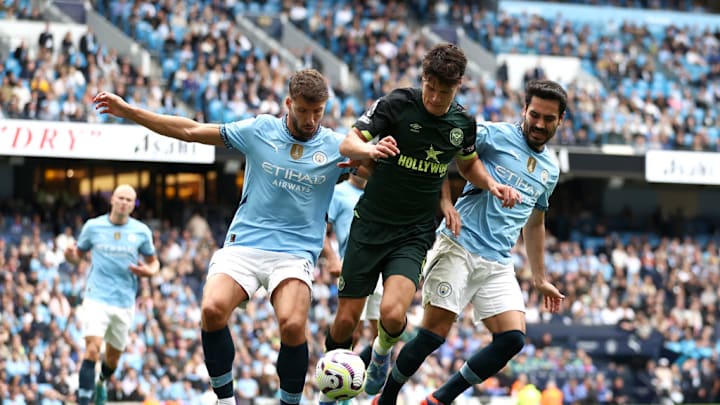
x: 277, y: 233
x: 116, y: 241
x: 475, y: 266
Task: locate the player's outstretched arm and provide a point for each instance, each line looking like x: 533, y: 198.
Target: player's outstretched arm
x: 356, y: 147
x: 474, y: 171
x: 173, y: 126
x: 534, y: 235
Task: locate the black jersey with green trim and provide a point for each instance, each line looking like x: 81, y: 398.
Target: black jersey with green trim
x: 405, y: 188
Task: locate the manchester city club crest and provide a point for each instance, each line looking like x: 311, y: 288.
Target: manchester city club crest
x: 456, y: 136
x: 116, y: 235
x: 319, y: 158
x: 544, y: 175
x: 444, y: 289
x: 296, y: 151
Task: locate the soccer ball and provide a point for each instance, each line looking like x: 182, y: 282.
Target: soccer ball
x: 340, y: 374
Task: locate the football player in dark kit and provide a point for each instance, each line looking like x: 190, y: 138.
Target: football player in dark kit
x: 420, y: 132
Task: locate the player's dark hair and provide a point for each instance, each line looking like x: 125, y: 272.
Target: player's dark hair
x: 546, y: 90
x: 310, y: 85
x: 446, y: 62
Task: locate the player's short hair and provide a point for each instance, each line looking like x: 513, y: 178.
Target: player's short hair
x: 546, y: 90
x: 446, y: 62
x: 310, y: 85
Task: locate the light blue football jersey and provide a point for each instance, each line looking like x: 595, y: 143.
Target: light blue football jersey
x: 488, y: 229
x: 340, y: 214
x: 114, y: 249
x: 287, y: 188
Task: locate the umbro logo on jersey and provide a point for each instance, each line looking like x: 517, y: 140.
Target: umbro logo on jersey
x: 415, y: 127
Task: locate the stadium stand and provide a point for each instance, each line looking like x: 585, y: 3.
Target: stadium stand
x: 650, y: 287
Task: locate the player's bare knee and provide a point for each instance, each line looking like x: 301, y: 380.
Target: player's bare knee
x: 213, y: 316
x: 92, y: 352
x: 292, y: 325
x: 393, y: 318
x: 343, y: 326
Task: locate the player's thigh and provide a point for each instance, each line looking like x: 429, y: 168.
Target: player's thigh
x: 290, y: 287
x: 234, y: 275
x: 447, y: 272
x: 361, y: 269
x: 498, y: 300
x: 407, y: 257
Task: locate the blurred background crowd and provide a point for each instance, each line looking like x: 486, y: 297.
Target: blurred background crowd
x: 655, y: 88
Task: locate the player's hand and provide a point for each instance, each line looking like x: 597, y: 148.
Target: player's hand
x: 553, y: 299
x: 507, y: 194
x: 386, y: 147
x: 71, y: 254
x: 333, y: 265
x: 141, y: 269
x: 109, y: 103
x: 452, y: 217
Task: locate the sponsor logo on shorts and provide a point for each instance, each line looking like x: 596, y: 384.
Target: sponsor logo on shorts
x: 444, y: 289
x: 341, y: 283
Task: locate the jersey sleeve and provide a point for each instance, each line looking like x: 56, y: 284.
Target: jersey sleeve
x: 240, y: 135
x: 468, y: 149
x: 84, y: 242
x: 481, y: 136
x: 376, y: 121
x: 543, y: 202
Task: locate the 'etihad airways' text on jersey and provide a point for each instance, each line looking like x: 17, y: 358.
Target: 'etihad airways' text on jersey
x: 287, y: 187
x: 488, y: 229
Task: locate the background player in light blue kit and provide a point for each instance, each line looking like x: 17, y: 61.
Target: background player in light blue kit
x: 277, y: 233
x: 340, y: 216
x: 476, y: 267
x: 116, y: 241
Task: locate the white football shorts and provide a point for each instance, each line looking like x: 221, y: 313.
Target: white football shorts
x: 455, y: 277
x: 254, y: 268
x: 371, y: 311
x: 111, y: 323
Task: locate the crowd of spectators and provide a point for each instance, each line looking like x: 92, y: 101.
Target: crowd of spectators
x: 659, y: 86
